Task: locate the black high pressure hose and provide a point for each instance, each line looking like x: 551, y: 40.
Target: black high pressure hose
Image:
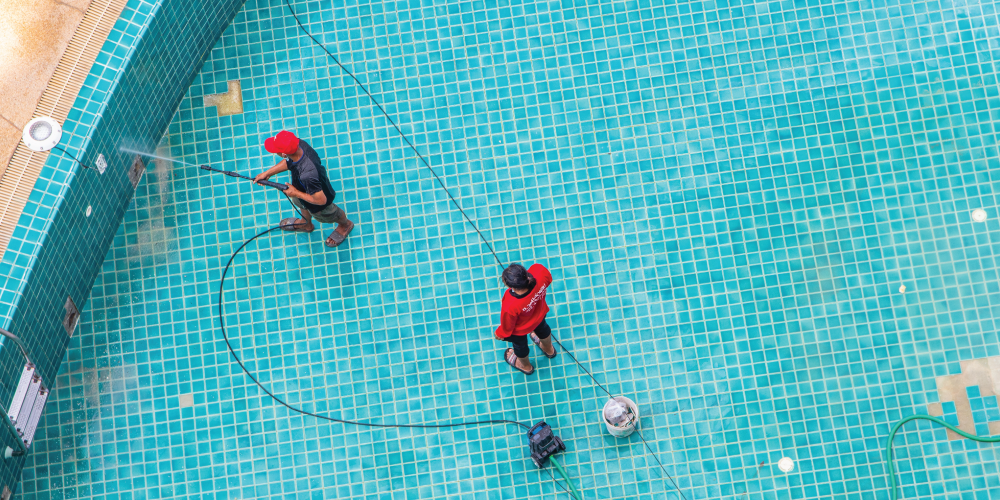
x: 225, y: 272
x: 222, y: 325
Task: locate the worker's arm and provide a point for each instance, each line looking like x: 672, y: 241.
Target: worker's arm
x: 282, y: 166
x: 507, y: 324
x: 317, y: 198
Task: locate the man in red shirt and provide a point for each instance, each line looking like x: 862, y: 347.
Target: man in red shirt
x: 522, y: 315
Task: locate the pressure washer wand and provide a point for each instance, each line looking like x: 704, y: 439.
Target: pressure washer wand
x: 275, y: 185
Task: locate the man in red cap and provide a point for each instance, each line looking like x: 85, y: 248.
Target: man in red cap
x: 310, y: 189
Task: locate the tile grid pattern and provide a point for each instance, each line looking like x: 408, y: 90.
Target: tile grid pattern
x: 47, y: 199
x: 60, y: 170
x: 730, y: 198
x: 59, y: 246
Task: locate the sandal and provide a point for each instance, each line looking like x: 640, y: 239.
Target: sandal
x: 538, y: 342
x: 511, y: 360
x: 335, y: 238
x: 294, y: 225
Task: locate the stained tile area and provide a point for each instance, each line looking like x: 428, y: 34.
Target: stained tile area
x: 228, y: 103
x: 731, y: 198
x: 979, y: 375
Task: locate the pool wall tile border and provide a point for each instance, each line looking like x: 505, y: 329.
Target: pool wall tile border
x: 143, y: 70
x: 19, y: 175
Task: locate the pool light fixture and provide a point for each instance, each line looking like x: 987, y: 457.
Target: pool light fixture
x: 42, y: 134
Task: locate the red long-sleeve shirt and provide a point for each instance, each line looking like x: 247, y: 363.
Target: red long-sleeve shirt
x: 520, y: 316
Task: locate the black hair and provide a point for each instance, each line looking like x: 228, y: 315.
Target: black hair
x: 516, y: 276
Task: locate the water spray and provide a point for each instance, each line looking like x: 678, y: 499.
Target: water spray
x: 150, y: 155
x: 275, y: 185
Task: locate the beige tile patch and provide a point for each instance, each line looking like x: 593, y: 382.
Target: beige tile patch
x: 230, y: 103
x: 185, y: 400
x: 983, y: 373
x: 994, y: 428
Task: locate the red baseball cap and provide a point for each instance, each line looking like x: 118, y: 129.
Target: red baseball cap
x: 285, y: 143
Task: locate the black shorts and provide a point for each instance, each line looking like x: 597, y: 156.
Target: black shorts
x: 521, y: 341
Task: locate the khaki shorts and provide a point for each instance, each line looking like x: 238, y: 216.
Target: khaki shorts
x: 329, y: 215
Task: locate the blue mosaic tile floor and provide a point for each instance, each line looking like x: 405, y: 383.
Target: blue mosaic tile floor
x: 731, y: 197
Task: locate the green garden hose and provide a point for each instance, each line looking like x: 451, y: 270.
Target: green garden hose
x: 572, y: 489
x: 893, y: 489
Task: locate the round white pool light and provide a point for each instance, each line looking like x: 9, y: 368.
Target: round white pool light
x: 979, y: 215
x: 42, y: 134
x: 786, y: 464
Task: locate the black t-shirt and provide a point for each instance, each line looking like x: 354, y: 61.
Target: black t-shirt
x: 309, y: 176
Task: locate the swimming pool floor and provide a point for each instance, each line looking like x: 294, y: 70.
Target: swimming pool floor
x: 731, y: 196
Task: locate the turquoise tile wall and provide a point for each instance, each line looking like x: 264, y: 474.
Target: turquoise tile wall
x: 60, y: 171
x: 47, y: 198
x: 729, y: 194
x: 128, y: 99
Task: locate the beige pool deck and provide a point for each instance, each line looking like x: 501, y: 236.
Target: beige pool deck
x: 47, y: 48
x: 33, y: 37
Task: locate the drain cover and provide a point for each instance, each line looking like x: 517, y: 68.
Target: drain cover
x: 101, y: 163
